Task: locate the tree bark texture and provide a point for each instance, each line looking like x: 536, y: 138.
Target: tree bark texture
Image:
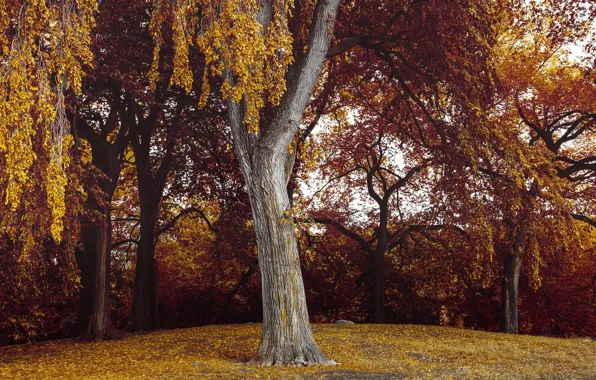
x: 144, y: 303
x: 510, y: 286
x: 94, y: 260
x: 94, y: 263
x: 378, y: 291
x: 266, y: 166
x: 378, y: 267
x: 151, y: 184
x: 287, y: 336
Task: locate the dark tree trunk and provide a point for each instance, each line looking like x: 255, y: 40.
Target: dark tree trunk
x: 94, y: 263
x: 94, y: 260
x: 510, y: 286
x: 378, y: 289
x: 86, y: 273
x: 509, y: 297
x: 378, y: 276
x: 151, y: 182
x: 144, y: 304
x: 287, y: 336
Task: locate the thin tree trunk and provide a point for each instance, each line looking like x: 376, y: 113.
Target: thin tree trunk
x: 151, y: 187
x: 510, y: 286
x: 378, y: 289
x: 287, y: 336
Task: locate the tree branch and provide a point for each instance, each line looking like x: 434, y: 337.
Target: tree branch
x: 586, y: 219
x: 183, y: 213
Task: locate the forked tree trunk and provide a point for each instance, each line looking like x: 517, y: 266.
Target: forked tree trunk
x: 287, y: 335
x: 266, y: 166
x: 510, y: 285
x: 94, y: 263
x: 151, y: 187
x: 94, y: 260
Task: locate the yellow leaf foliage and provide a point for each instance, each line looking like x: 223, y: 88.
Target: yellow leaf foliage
x: 238, y: 42
x: 44, y: 46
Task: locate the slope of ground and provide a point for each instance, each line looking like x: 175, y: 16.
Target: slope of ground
x: 363, y: 351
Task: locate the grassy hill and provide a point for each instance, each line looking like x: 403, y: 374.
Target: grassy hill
x: 363, y: 351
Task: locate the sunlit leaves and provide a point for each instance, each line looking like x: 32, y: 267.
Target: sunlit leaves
x: 247, y: 43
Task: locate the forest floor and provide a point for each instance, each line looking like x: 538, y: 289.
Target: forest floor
x: 363, y: 351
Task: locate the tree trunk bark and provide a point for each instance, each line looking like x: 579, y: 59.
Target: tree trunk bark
x: 509, y: 298
x: 510, y: 286
x: 378, y: 291
x: 144, y: 303
x: 94, y: 260
x: 94, y: 263
x: 266, y: 167
x: 287, y: 337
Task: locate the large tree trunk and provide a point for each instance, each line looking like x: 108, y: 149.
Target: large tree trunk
x: 509, y: 297
x: 144, y: 303
x: 266, y: 166
x: 510, y: 285
x: 287, y: 336
x: 94, y: 260
x: 94, y: 263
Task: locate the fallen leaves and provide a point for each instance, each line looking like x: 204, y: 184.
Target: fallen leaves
x: 363, y: 351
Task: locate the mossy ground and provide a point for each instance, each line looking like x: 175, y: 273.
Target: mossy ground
x: 363, y: 351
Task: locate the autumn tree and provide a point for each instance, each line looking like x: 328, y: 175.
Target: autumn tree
x: 556, y: 105
x: 143, y: 125
x: 44, y: 50
x: 547, y: 95
x: 100, y: 117
x: 367, y: 157
x: 159, y: 151
x: 407, y: 101
x: 44, y: 47
x: 252, y: 76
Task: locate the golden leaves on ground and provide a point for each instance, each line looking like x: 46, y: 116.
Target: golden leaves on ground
x: 363, y: 351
